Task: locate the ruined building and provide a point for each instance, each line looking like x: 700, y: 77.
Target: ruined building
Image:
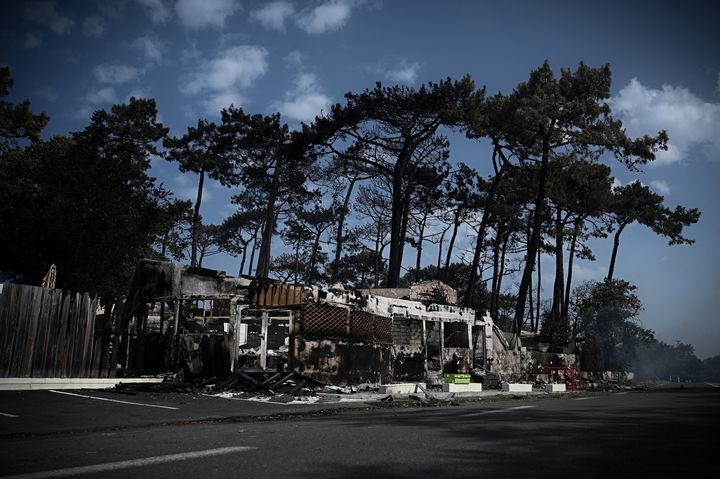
x: 208, y: 323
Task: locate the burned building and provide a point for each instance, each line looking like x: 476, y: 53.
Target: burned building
x: 207, y: 323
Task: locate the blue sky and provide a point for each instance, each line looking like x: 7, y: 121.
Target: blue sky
x: 196, y: 56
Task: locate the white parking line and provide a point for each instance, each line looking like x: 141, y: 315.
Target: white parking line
x: 584, y: 398
x: 112, y: 400
x: 494, y: 411
x: 624, y: 392
x: 7, y: 415
x: 113, y: 466
x: 715, y: 385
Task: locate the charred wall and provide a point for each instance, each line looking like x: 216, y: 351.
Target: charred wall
x: 408, y: 351
x: 342, y: 345
x: 341, y: 362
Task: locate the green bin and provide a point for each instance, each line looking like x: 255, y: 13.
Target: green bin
x: 454, y: 378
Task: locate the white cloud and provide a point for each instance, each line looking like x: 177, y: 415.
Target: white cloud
x: 616, y: 184
x: 403, y: 73
x: 661, y: 186
x: 32, y: 40
x: 222, y: 78
x: 115, y: 73
x: 158, y: 10
x: 83, y: 113
x: 218, y: 101
x: 235, y: 67
x: 93, y: 26
x: 294, y: 58
x: 305, y: 101
x: 273, y: 15
x: 583, y: 271
x: 94, y: 99
x: 151, y: 47
x: 102, y: 96
x: 326, y: 17
x: 198, y: 14
x: 690, y: 122
x: 47, y: 15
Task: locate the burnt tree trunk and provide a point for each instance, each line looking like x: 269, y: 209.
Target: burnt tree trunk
x: 530, y: 297
x: 534, y: 239
x: 571, y: 257
x: 439, y: 258
x: 559, y: 285
x: 243, y: 257
x: 196, y: 220
x: 496, y: 274
x: 503, y: 249
x: 473, y: 279
x: 397, y: 241
x: 340, y: 228
x: 378, y: 259
x: 616, y: 245
x: 263, y: 268
x: 252, y: 253
x: 531, y: 312
x: 448, y: 257
x: 405, y: 218
x: 421, y: 238
x: 539, y: 287
x: 296, y: 273
x: 313, y: 257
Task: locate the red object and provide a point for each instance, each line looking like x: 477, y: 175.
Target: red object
x: 569, y: 375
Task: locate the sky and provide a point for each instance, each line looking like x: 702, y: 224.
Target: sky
x: 198, y: 56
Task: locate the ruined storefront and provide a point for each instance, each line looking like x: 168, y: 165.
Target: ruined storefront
x: 207, y: 323
x: 401, y: 340
x: 180, y: 317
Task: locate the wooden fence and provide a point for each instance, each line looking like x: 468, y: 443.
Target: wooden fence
x: 53, y: 333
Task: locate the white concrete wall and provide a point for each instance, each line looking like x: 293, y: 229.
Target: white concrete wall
x: 24, y: 384
x: 554, y: 388
x: 457, y: 388
x: 517, y: 388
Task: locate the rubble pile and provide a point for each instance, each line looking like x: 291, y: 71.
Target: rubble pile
x: 277, y: 387
x: 281, y: 387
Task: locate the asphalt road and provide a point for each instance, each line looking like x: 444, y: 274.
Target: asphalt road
x: 42, y: 413
x: 667, y: 431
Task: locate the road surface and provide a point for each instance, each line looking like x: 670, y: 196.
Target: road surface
x: 668, y: 431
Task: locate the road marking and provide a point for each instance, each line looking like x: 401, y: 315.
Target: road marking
x: 715, y: 385
x: 584, y: 398
x: 113, y: 466
x: 494, y: 411
x: 7, y: 415
x: 113, y: 400
x: 624, y: 392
